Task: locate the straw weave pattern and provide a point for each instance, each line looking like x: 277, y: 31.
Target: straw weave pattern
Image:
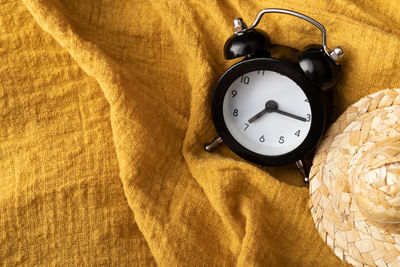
x: 355, y: 182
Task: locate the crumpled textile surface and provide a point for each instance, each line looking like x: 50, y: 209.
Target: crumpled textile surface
x: 104, y: 111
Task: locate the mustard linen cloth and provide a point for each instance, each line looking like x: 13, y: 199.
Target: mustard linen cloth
x: 104, y: 110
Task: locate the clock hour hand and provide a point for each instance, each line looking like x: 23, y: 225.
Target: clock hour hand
x: 258, y: 115
x: 270, y: 106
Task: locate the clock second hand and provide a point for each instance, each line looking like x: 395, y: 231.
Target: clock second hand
x: 272, y: 106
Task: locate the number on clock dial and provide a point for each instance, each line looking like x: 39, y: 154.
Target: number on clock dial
x: 245, y: 79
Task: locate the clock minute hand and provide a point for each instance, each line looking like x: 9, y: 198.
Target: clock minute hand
x: 289, y: 115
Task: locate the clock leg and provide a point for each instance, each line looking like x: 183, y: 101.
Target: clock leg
x: 301, y: 166
x: 214, y: 143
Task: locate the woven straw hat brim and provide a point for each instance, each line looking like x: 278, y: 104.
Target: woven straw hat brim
x: 337, y: 217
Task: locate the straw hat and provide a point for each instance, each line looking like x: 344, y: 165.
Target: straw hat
x: 355, y: 182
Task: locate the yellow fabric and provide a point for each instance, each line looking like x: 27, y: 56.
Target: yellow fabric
x: 104, y: 110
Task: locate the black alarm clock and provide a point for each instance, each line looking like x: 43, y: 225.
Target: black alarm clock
x: 271, y: 107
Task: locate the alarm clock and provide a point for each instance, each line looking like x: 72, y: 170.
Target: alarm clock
x: 271, y: 107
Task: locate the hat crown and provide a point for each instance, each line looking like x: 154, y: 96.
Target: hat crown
x: 355, y: 182
x: 374, y: 176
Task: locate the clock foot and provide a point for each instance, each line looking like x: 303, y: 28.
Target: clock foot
x: 300, y: 165
x: 214, y: 143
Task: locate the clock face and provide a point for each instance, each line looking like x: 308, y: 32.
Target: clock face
x: 267, y: 112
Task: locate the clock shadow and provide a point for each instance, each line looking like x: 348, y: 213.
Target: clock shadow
x: 290, y: 174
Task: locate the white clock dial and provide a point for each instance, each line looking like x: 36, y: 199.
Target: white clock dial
x: 273, y: 129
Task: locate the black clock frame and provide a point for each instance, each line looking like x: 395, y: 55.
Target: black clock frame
x: 294, y: 73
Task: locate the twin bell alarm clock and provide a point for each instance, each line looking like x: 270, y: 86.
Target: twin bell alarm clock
x: 271, y: 107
